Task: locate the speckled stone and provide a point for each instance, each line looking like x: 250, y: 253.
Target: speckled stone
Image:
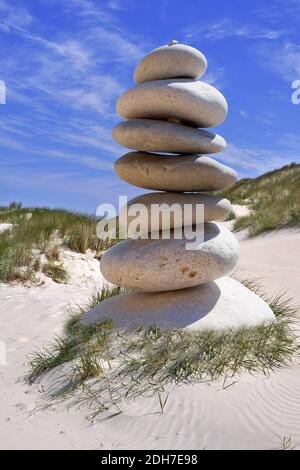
x: 149, y: 135
x: 174, y: 172
x: 189, y: 101
x: 160, y: 265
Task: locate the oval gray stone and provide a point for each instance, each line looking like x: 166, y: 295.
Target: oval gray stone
x: 174, y: 172
x: 219, y: 305
x: 161, y: 265
x: 149, y: 135
x: 189, y: 101
x: 171, y: 61
x: 176, y: 209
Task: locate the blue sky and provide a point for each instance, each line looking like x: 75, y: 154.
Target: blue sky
x: 65, y: 63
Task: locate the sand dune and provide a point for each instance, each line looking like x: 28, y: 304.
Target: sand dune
x: 252, y: 412
x: 274, y: 259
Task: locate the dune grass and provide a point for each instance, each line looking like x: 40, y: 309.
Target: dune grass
x: 36, y: 231
x: 57, y: 272
x: 231, y: 216
x: 101, y: 368
x: 286, y: 443
x: 274, y: 196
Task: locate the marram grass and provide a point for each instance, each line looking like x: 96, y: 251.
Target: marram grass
x: 57, y: 272
x: 33, y: 232
x: 274, y: 196
x: 101, y: 368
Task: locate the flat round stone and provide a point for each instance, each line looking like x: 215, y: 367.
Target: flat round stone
x: 166, y: 264
x: 189, y: 101
x: 175, y: 209
x: 171, y: 61
x: 149, y: 135
x: 174, y: 172
x: 219, y: 305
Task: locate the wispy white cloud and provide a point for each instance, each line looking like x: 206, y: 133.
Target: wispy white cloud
x: 283, y: 59
x: 215, y: 77
x: 90, y: 9
x: 17, y: 95
x: 67, y: 72
x: 85, y: 160
x: 66, y: 142
x: 91, y: 135
x: 115, y: 4
x: 73, y: 70
x: 264, y: 117
x: 227, y: 28
x: 291, y: 140
x: 9, y: 127
x: 256, y: 160
x: 70, y: 49
x: 13, y: 16
x: 102, y: 30
x: 277, y: 11
x: 81, y: 142
x: 11, y: 142
x: 77, y: 186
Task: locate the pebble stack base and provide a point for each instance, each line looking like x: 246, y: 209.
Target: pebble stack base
x: 219, y: 305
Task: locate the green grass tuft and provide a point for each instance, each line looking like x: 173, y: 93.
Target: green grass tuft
x: 231, y: 216
x: 15, y: 205
x: 286, y: 443
x: 105, y: 367
x: 57, y: 272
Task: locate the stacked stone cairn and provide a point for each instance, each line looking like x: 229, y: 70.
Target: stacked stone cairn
x: 174, y: 287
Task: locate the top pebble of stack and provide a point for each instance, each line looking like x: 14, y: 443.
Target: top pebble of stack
x: 169, y: 61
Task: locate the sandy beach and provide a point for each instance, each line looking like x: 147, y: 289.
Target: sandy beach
x: 246, y: 412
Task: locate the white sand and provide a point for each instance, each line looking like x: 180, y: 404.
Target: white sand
x: 254, y: 412
x: 4, y: 227
x: 241, y: 211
